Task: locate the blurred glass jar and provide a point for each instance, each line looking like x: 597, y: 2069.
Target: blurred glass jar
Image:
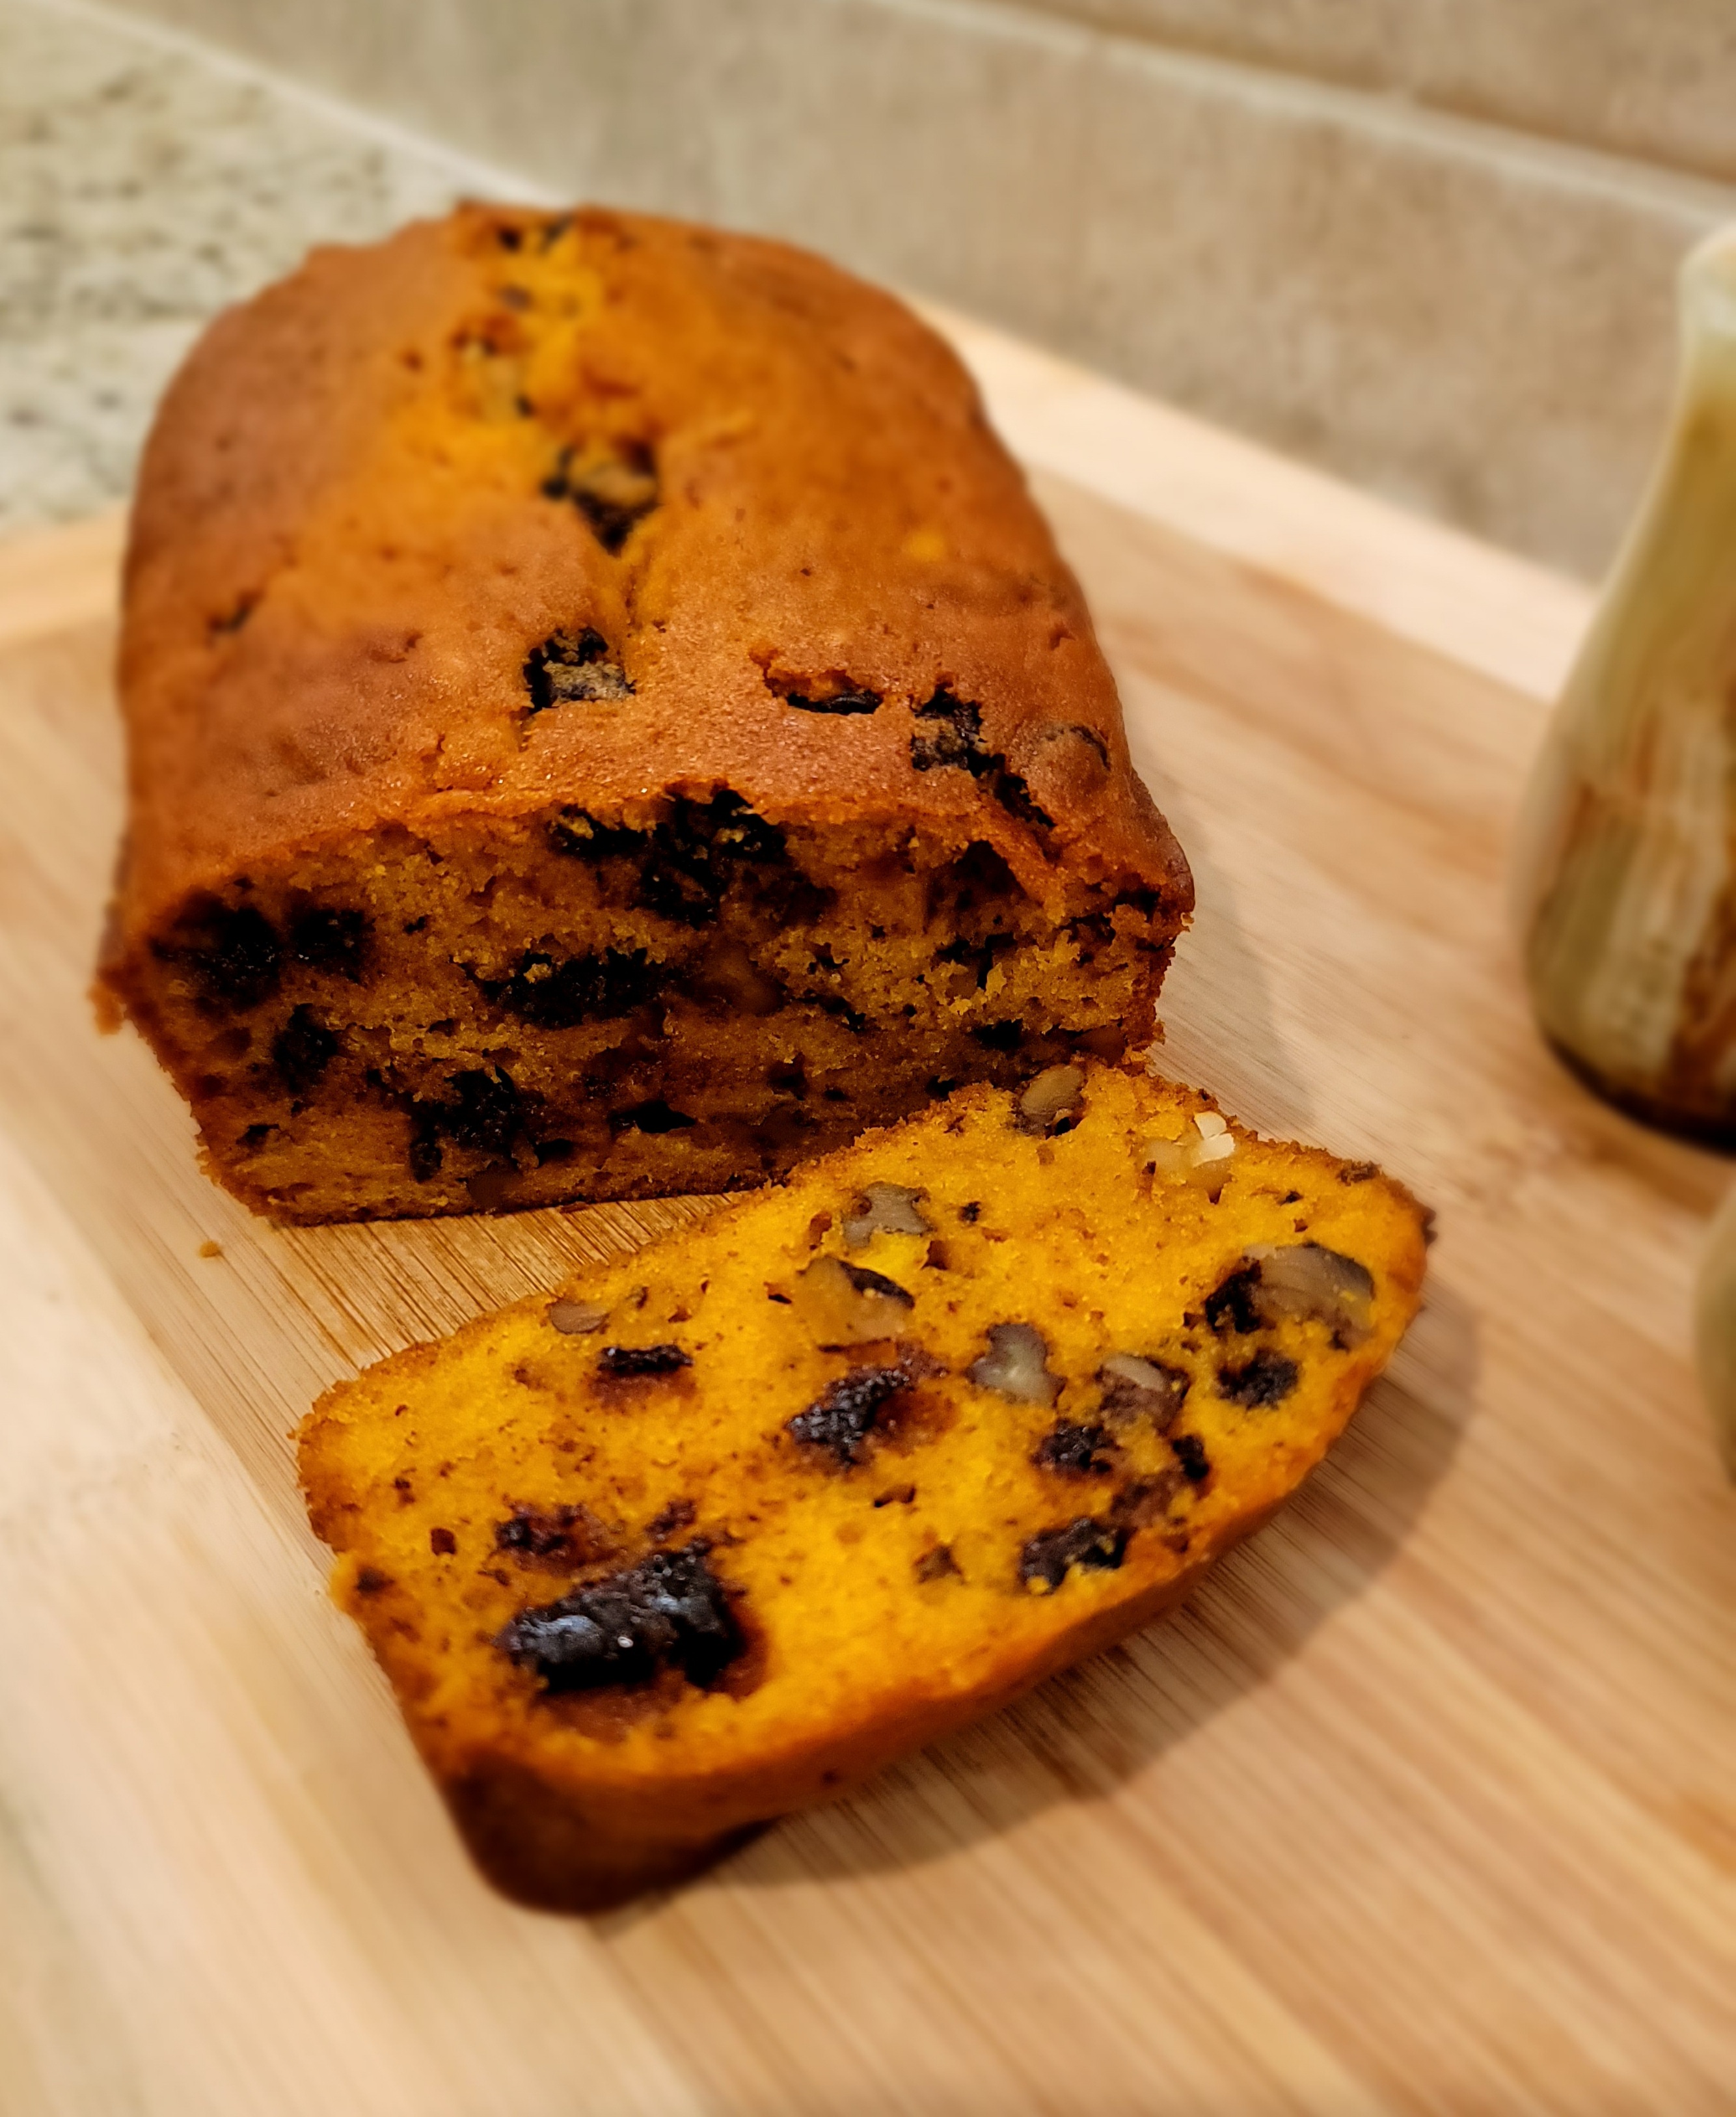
x: 1624, y: 870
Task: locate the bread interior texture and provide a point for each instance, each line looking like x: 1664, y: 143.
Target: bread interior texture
x: 497, y: 1012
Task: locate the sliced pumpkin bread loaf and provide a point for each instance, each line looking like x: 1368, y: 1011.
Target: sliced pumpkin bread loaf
x: 728, y: 1525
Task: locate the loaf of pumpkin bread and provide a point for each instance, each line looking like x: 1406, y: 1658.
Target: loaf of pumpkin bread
x: 605, y: 718
x: 717, y: 1531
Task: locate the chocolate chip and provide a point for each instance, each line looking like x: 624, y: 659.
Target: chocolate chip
x: 579, y: 836
x: 678, y: 1514
x: 1079, y: 1451
x: 952, y: 735
x: 442, y: 1542
x: 938, y: 1564
x: 613, y: 492
x: 552, y: 995
x: 487, y: 1113
x: 840, y: 1419
x: 669, y: 1612
x: 301, y: 1050
x: 698, y: 851
x: 369, y: 1580
x: 1014, y: 796
x: 331, y: 941
x: 425, y: 1152
x: 566, y: 1532
x: 619, y: 1360
x: 233, y: 951
x: 979, y: 955
x: 1268, y: 1378
x: 1191, y: 1454
x: 570, y: 667
x: 655, y: 1116
x: 999, y: 1036
x: 840, y: 702
x: 1233, y: 1304
x: 1045, y: 1561
x: 972, y: 1213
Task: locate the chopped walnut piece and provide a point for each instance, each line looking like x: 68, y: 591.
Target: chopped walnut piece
x: 1134, y: 1388
x: 1052, y: 1097
x: 847, y: 1304
x: 577, y: 1318
x: 1311, y: 1283
x: 885, y: 1209
x: 1016, y: 1365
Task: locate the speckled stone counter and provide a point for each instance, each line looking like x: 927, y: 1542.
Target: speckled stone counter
x: 141, y: 189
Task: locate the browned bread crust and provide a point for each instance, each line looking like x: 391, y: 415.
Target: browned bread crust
x: 489, y: 578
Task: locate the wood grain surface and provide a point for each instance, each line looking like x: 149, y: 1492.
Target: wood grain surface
x: 1426, y: 1802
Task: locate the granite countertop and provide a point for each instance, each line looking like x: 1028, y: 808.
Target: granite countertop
x: 142, y: 187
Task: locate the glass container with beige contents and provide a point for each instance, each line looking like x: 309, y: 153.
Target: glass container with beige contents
x: 1626, y: 867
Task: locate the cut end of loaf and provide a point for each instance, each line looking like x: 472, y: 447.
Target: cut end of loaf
x: 507, y: 1013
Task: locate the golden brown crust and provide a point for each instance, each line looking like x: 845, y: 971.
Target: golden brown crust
x: 377, y: 492
x: 380, y: 597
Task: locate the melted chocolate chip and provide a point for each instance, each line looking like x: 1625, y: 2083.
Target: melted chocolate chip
x: 670, y: 1612
x: 621, y: 1360
x: 1014, y: 796
x: 840, y: 1419
x: 999, y: 1036
x: 655, y: 1116
x: 573, y: 667
x: 234, y: 953
x: 1268, y: 1378
x: 1190, y: 1455
x: 301, y: 1050
x: 562, y: 1532
x: 561, y: 995
x: 331, y: 941
x: 442, y: 1542
x: 698, y: 851
x: 577, y: 836
x: 1046, y: 1558
x: 612, y: 494
x: 840, y: 702
x: 951, y: 735
x: 487, y: 1113
x: 1233, y: 1305
x: 1077, y: 1451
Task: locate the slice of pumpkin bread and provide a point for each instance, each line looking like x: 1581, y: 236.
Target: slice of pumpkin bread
x: 725, y: 1526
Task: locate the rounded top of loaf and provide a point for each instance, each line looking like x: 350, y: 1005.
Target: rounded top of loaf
x: 519, y: 508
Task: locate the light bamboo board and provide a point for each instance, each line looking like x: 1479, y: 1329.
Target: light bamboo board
x: 1425, y: 1804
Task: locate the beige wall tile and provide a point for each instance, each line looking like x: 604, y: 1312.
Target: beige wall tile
x: 1651, y: 78
x: 1475, y: 324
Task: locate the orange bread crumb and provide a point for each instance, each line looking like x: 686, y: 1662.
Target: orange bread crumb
x: 723, y: 1527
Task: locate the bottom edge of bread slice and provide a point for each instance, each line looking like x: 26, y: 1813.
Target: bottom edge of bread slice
x: 720, y: 1528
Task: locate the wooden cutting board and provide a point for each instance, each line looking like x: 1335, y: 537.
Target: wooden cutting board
x: 1425, y: 1803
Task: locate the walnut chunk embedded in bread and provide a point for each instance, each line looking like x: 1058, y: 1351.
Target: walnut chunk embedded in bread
x: 605, y: 719
x: 662, y: 1555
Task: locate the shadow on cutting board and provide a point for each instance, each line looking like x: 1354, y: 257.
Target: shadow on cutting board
x: 1082, y: 1734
